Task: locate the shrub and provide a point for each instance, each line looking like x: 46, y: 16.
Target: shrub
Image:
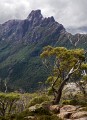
x: 47, y: 117
x: 38, y: 100
x: 70, y: 102
x: 7, y: 103
x: 74, y: 102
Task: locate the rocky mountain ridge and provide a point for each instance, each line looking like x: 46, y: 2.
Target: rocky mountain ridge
x: 28, y: 29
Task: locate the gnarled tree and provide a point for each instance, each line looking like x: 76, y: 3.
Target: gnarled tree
x: 7, y: 103
x: 64, y: 65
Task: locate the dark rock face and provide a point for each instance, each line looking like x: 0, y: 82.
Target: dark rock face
x: 35, y: 16
x: 31, y: 29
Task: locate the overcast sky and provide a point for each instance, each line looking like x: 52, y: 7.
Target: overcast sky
x: 71, y: 13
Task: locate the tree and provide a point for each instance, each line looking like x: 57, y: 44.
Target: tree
x: 64, y: 65
x: 7, y: 102
x: 82, y: 84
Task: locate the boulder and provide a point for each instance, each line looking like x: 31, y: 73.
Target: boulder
x: 54, y: 108
x: 64, y: 115
x: 68, y: 108
x: 79, y: 114
x: 84, y: 118
x: 82, y: 109
x: 32, y: 108
x: 30, y: 118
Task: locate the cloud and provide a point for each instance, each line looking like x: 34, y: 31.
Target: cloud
x: 70, y: 13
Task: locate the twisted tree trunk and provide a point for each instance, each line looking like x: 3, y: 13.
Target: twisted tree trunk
x: 59, y: 92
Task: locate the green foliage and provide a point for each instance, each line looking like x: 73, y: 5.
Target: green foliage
x: 76, y: 99
x: 84, y: 66
x: 50, y: 91
x: 22, y: 66
x: 40, y: 110
x: 82, y: 100
x: 85, y: 79
x: 7, y: 103
x: 9, y: 96
x: 24, y: 116
x: 38, y: 100
x: 70, y: 102
x: 64, y: 59
x: 47, y: 117
x: 64, y: 65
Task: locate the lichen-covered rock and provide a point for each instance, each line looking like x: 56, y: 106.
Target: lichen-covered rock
x: 84, y: 118
x: 64, y: 115
x: 30, y: 118
x: 54, y: 108
x: 82, y: 109
x: 68, y: 108
x: 32, y: 108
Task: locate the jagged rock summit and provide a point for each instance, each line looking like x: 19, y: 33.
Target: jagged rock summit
x: 30, y: 29
x: 35, y: 14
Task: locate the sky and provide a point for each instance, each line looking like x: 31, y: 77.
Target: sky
x: 71, y: 13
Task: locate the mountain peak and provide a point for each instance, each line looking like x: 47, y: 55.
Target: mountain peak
x: 35, y: 14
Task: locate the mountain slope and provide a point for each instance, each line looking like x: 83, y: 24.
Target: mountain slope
x: 21, y: 42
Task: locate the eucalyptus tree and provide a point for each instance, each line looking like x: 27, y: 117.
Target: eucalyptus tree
x: 64, y: 65
x: 7, y: 103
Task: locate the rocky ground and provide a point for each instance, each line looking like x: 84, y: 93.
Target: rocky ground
x: 66, y: 112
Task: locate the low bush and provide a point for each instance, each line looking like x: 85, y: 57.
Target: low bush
x: 38, y: 100
x: 74, y: 102
x: 47, y: 117
x: 70, y: 102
